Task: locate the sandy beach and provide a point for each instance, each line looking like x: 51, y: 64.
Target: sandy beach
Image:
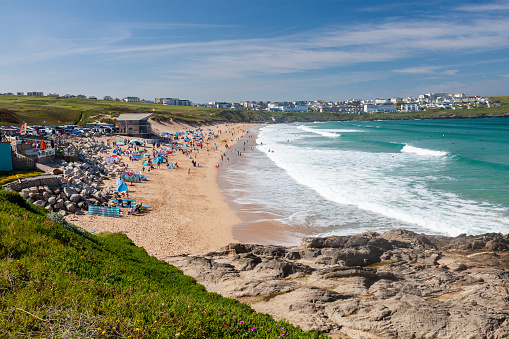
x: 188, y: 212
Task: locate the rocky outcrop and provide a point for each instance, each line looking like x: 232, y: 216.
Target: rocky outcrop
x: 398, y: 284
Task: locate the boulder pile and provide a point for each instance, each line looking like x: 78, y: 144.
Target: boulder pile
x: 75, y: 185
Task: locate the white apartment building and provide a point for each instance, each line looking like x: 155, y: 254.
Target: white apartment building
x: 410, y: 108
x: 371, y: 108
x: 173, y: 102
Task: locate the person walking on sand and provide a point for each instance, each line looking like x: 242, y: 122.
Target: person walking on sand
x: 189, y: 171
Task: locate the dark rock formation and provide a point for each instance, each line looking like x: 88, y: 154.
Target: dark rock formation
x: 398, y: 284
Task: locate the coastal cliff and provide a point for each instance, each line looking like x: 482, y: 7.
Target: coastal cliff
x: 398, y: 284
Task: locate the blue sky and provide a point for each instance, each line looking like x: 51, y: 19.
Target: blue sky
x: 224, y: 50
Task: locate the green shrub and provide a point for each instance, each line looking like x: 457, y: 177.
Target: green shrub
x: 59, y: 219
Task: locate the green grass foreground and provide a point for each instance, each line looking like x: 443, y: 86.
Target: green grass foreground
x: 56, y: 283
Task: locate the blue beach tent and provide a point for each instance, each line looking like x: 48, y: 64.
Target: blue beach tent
x: 122, y: 187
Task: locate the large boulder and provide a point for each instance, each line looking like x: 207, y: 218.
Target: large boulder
x: 52, y: 200
x: 74, y: 198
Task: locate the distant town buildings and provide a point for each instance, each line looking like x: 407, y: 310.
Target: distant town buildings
x: 352, y: 106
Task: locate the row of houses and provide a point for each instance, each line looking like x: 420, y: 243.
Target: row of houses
x: 353, y: 106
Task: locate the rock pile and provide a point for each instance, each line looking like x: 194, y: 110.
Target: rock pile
x: 398, y: 284
x: 78, y: 184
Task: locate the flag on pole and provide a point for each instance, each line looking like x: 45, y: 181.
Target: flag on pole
x: 21, y: 129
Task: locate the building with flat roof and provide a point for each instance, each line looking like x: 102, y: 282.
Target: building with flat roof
x: 373, y: 108
x: 131, y: 99
x: 134, y: 124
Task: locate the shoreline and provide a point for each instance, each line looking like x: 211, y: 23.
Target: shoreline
x: 189, y: 213
x: 256, y: 226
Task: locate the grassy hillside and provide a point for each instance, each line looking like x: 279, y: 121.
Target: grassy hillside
x: 35, y: 110
x: 56, y: 280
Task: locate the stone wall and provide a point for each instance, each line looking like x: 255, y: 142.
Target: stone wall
x: 42, y: 180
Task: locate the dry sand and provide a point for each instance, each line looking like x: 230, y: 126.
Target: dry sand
x: 189, y: 214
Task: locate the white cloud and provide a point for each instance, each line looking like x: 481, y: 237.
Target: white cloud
x: 497, y: 6
x: 418, y: 70
x: 321, y: 49
x: 450, y: 72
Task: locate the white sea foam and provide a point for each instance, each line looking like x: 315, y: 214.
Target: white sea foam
x: 381, y: 184
x: 322, y: 132
x: 422, y: 151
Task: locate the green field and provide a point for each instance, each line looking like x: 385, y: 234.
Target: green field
x: 58, y: 281
x: 35, y: 110
x: 54, y: 111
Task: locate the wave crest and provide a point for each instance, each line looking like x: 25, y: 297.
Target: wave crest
x: 422, y: 151
x: 324, y: 133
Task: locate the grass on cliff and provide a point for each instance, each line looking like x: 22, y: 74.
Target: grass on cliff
x: 55, y: 282
x: 9, y: 176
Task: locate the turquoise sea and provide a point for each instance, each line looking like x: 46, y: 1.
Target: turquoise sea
x: 314, y: 179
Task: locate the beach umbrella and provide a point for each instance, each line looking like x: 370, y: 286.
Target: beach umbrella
x: 43, y: 145
x: 122, y: 187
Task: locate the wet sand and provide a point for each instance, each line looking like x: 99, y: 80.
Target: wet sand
x: 257, y: 226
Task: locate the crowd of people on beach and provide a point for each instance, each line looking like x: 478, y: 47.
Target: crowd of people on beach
x: 157, y: 154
